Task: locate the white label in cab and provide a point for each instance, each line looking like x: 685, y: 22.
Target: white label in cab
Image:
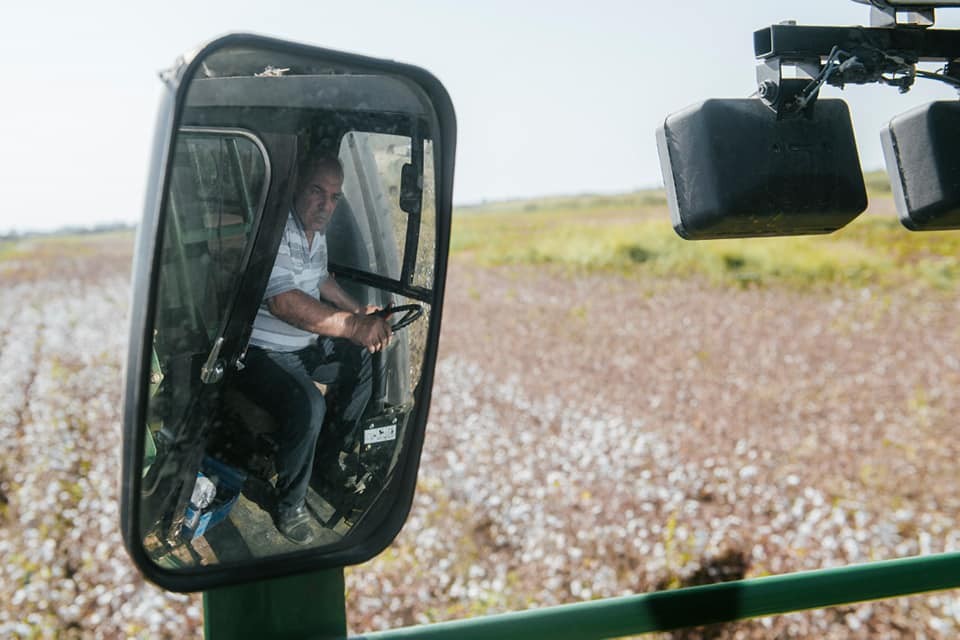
x: 380, y: 434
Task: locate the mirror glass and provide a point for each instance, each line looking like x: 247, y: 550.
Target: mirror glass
x: 291, y: 308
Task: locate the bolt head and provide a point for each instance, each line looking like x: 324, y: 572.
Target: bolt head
x: 768, y: 89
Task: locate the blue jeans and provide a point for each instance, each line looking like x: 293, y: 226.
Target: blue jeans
x: 283, y: 384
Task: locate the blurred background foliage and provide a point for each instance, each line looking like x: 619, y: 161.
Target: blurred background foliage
x: 631, y: 234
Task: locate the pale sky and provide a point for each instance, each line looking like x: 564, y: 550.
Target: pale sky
x: 552, y: 97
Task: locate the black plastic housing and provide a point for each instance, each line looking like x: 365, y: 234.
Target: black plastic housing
x: 731, y: 169
x: 922, y: 152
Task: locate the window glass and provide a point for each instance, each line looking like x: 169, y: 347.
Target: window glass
x: 217, y: 187
x: 368, y: 230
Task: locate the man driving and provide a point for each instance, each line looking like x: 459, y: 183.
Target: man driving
x: 309, y: 330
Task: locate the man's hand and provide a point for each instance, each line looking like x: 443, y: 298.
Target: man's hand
x: 370, y: 331
x: 370, y: 308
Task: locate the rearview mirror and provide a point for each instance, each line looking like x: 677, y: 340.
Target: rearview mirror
x: 732, y: 169
x: 273, y: 422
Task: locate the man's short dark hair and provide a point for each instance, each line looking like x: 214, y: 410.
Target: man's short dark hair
x: 311, y: 165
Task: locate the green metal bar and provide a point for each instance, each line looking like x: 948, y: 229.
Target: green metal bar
x: 695, y: 606
x: 304, y: 606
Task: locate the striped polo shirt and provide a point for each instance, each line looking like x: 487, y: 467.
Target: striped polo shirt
x: 296, y: 267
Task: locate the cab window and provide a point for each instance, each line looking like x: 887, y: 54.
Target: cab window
x: 218, y: 185
x: 217, y: 189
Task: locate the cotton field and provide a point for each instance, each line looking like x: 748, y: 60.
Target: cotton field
x: 590, y: 436
x: 62, y: 340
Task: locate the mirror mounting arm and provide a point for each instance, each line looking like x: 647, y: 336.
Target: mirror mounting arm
x: 844, y: 55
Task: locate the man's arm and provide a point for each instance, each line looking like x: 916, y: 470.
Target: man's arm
x: 302, y: 311
x: 330, y: 290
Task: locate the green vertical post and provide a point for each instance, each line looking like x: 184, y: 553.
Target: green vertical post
x: 309, y: 605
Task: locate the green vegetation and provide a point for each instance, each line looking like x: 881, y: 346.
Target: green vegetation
x: 632, y: 235
x: 64, y: 244
x: 7, y: 249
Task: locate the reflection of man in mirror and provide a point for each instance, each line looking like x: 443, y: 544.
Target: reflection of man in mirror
x: 308, y: 330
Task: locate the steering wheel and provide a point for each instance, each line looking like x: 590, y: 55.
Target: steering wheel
x: 410, y: 313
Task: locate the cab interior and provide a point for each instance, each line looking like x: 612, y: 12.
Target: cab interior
x: 230, y: 190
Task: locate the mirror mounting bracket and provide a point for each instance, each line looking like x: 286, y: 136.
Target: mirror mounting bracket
x: 845, y: 55
x: 788, y: 96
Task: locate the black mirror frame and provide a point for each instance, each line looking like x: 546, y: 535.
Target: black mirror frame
x: 144, y: 283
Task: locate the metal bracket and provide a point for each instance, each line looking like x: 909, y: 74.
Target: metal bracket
x: 781, y: 93
x: 886, y: 16
x: 173, y: 76
x: 864, y: 55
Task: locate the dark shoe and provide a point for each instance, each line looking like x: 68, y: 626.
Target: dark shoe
x: 294, y: 524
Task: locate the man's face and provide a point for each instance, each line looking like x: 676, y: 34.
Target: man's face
x: 317, y: 199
